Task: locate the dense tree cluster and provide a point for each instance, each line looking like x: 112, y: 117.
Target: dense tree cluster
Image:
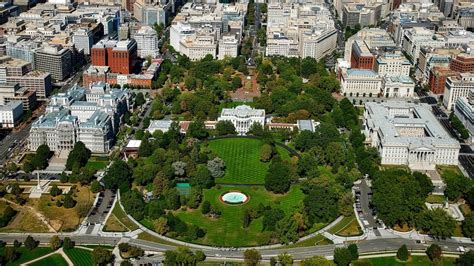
x: 78, y: 156
x: 39, y: 161
x: 399, y: 195
x: 183, y: 256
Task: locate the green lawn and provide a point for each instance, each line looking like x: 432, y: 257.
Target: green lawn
x: 97, y: 163
x: 227, y: 230
x: 318, y: 240
x: 79, y: 256
x: 122, y: 217
x: 55, y: 259
x: 414, y: 260
x: 348, y: 226
x: 27, y: 255
x: 242, y: 159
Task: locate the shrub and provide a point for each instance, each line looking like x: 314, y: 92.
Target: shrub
x: 402, y: 253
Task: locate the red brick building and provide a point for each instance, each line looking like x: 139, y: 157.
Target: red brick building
x: 462, y: 63
x: 361, y: 57
x: 120, y: 56
x: 437, y: 80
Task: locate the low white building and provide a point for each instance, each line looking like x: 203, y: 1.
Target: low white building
x: 161, y: 125
x: 409, y: 134
x: 456, y: 87
x: 398, y: 86
x: 10, y: 114
x: 243, y: 117
x: 360, y: 82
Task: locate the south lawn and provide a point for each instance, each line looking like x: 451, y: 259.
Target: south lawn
x: 414, y: 260
x: 227, y: 230
x: 55, y: 259
x: 242, y: 160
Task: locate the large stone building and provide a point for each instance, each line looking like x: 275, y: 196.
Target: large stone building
x: 360, y: 82
x: 91, y: 116
x: 456, y: 87
x: 55, y: 60
x: 408, y: 134
x: 243, y: 117
x: 464, y: 110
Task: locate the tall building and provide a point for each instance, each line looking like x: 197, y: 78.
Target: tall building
x: 83, y: 40
x: 56, y: 60
x: 361, y: 57
x: 456, y: 87
x: 228, y: 46
x: 463, y: 63
x: 147, y: 42
x: 10, y: 114
x: 120, y: 56
x: 408, y: 134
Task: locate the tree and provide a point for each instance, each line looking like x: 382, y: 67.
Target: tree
x: 118, y: 175
x: 95, y: 186
x: 466, y: 259
x: 160, y: 184
x: 225, y: 127
x: 206, y: 207
x: 68, y: 201
x: 145, y: 149
x: 68, y: 243
x: 216, y: 167
x: 403, y: 254
x: 434, y: 252
x: 316, y: 261
x: 346, y: 204
x: 139, y: 99
x: 55, y: 242
x: 202, y: 178
x: 79, y: 156
x: 200, y: 256
x: 436, y: 222
x: 161, y: 226
x: 30, y: 243
x: 287, y: 230
x: 179, y: 168
x: 279, y: 176
x: 285, y: 259
x: 354, y: 251
x: 266, y: 153
x: 40, y: 160
x: 456, y: 186
x: 321, y: 205
x: 55, y: 191
x: 468, y: 225
x: 271, y: 218
x: 342, y: 256
x: 133, y: 204
x: 10, y: 253
x: 236, y: 82
x: 101, y: 256
x: 197, y: 130
x: 252, y: 257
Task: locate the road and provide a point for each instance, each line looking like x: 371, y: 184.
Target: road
x: 10, y: 144
x: 365, y: 246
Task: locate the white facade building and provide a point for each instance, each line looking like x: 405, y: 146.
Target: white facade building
x: 359, y: 82
x: 10, y: 114
x: 456, y: 87
x: 398, y: 86
x: 147, y: 42
x: 228, y: 46
x: 82, y: 39
x: 408, y: 134
x: 416, y: 37
x: 392, y: 64
x: 243, y: 117
x: 464, y: 110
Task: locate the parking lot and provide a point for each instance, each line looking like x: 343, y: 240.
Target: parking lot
x: 365, y: 210
x: 101, y: 208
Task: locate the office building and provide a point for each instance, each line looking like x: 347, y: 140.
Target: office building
x: 55, y: 60
x: 408, y: 134
x: 10, y: 114
x: 456, y: 87
x: 360, y: 82
x: 147, y: 42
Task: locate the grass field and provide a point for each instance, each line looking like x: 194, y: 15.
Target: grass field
x: 242, y: 160
x: 318, y: 240
x: 414, y: 261
x: 227, y: 230
x: 435, y: 198
x: 122, y: 218
x: 114, y: 225
x: 151, y: 238
x: 97, y: 163
x: 27, y: 255
x: 63, y: 219
x: 348, y: 226
x: 55, y: 259
x: 79, y: 256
